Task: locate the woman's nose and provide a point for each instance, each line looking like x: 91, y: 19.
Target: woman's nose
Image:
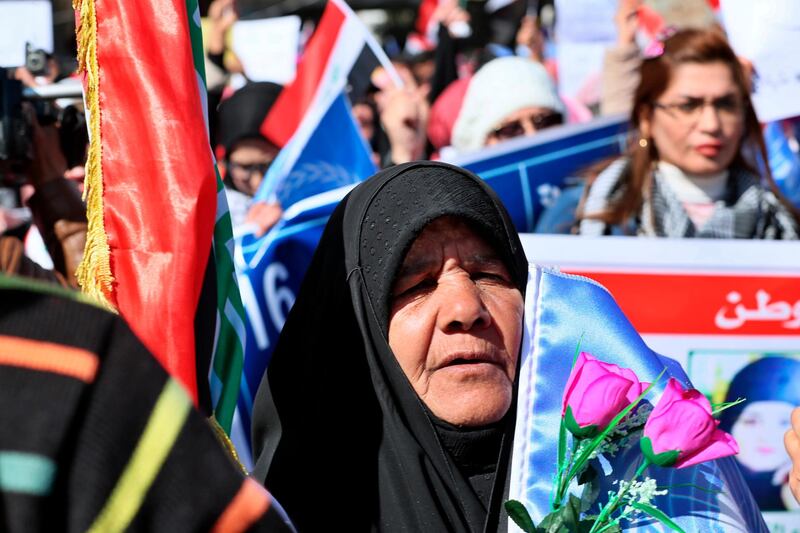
x: 709, y: 119
x: 461, y: 306
x: 528, y: 127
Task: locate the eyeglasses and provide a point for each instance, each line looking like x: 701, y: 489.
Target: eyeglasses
x: 728, y: 108
x: 539, y: 121
x: 248, y: 170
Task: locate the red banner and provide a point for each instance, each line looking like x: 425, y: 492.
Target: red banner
x: 705, y: 303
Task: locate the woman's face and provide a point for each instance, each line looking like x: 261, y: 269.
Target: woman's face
x: 455, y: 324
x: 523, y: 123
x: 697, y: 124
x: 248, y: 162
x: 759, y: 431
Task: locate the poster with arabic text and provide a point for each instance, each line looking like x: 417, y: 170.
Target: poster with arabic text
x: 729, y: 312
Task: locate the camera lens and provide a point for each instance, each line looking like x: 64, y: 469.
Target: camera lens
x: 36, y: 62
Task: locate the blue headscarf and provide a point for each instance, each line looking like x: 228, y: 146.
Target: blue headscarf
x: 772, y: 378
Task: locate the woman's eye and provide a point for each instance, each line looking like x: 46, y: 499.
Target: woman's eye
x: 493, y: 276
x: 730, y: 105
x: 690, y: 106
x: 421, y: 286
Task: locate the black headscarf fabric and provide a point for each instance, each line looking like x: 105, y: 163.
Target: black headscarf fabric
x: 341, y: 438
x: 241, y: 115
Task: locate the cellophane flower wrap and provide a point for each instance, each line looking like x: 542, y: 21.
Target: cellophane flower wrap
x: 605, y: 409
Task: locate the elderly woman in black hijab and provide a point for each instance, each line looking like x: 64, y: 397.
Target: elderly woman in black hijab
x: 389, y: 401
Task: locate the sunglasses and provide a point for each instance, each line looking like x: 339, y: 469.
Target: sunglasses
x: 539, y: 121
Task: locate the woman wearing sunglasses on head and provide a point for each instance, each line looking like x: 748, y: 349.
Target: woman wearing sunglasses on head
x: 691, y: 168
x: 508, y: 97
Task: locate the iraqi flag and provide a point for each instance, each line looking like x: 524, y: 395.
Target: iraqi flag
x: 322, y: 148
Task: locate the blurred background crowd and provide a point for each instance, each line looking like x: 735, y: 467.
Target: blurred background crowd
x: 474, y: 74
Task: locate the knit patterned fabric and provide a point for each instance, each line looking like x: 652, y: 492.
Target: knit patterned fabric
x: 97, y: 437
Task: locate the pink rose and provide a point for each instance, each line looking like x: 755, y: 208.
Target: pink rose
x: 681, y: 431
x: 596, y: 392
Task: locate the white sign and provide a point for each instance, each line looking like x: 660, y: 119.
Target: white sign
x: 267, y: 48
x: 24, y: 21
x: 767, y: 33
x: 584, y: 29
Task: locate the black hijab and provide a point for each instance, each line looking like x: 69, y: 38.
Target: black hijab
x: 341, y: 438
x: 241, y: 115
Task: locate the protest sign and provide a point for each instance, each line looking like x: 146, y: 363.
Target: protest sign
x: 268, y: 48
x: 585, y: 28
x: 24, y: 21
x: 765, y: 33
x: 719, y: 308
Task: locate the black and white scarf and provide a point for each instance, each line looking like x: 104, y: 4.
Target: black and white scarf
x: 749, y: 210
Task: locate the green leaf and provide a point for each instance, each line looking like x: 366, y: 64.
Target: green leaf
x: 614, y: 423
x: 562, y: 448
x: 611, y: 527
x: 719, y: 407
x: 552, y: 522
x: 661, y: 459
x: 572, y: 426
x: 585, y: 526
x: 659, y: 515
x: 519, y: 514
x: 565, y: 519
x: 577, y: 349
x: 562, y: 430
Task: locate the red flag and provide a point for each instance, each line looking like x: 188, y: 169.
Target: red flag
x: 150, y: 185
x: 296, y: 98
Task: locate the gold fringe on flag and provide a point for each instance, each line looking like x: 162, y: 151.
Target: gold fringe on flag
x: 227, y: 443
x: 94, y: 272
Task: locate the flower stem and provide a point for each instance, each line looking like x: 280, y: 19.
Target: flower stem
x: 563, y: 479
x: 615, y: 500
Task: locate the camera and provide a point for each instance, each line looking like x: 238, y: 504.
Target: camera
x: 36, y: 60
x: 14, y: 129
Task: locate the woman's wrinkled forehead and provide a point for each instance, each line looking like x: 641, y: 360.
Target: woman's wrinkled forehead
x: 405, y: 205
x: 428, y: 251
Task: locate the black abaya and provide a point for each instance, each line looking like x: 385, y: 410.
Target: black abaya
x: 341, y: 438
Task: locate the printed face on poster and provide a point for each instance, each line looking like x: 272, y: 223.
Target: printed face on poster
x: 729, y: 313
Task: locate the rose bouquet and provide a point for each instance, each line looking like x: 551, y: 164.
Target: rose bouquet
x: 603, y: 412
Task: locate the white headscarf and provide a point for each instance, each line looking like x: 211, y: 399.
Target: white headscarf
x: 498, y: 89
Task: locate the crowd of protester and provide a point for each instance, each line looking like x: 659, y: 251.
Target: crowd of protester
x: 695, y: 166
x: 692, y: 160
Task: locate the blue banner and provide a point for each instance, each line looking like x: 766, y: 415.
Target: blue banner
x: 333, y: 155
x: 529, y: 172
